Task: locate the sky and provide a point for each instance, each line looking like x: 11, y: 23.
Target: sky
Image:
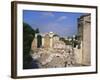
x: 62, y: 23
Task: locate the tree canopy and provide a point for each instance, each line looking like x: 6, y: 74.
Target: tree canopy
x: 28, y: 36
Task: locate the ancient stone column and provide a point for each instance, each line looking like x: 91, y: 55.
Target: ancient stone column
x: 35, y: 40
x: 42, y: 41
x: 51, y: 43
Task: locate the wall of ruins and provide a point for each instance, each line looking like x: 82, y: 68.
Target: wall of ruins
x: 78, y: 54
x: 87, y: 41
x: 84, y: 30
x: 47, y: 41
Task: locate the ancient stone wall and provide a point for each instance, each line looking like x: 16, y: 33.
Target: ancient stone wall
x: 84, y: 32
x: 87, y: 41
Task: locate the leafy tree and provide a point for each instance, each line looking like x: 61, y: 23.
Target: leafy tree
x: 37, y: 30
x: 28, y: 36
x: 39, y: 40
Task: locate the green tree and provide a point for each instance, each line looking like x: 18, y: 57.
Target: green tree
x: 28, y: 36
x: 37, y: 30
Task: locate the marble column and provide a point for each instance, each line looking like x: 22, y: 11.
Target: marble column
x: 42, y: 41
x: 51, y: 42
x: 36, y: 40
